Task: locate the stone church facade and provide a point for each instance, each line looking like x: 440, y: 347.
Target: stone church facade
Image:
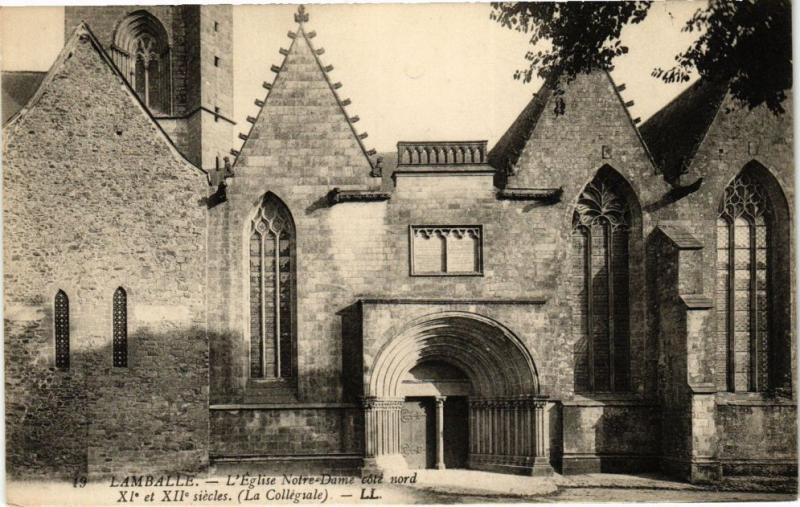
x: 588, y: 295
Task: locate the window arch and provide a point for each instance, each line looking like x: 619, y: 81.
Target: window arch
x: 601, y: 226
x: 141, y: 52
x: 272, y: 283
x: 750, y: 288
x: 120, y: 328
x: 61, y: 321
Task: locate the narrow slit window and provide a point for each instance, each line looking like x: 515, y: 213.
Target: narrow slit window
x: 120, y: 341
x: 61, y: 314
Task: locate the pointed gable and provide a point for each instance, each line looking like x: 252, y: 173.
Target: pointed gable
x: 674, y: 133
x: 84, y: 145
x: 303, y: 129
x: 87, y: 93
x: 564, y: 136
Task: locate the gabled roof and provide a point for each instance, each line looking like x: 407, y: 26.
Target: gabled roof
x: 18, y: 87
x: 81, y: 34
x: 675, y: 132
x: 292, y: 69
x: 505, y: 153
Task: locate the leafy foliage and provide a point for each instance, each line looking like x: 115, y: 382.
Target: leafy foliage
x: 746, y: 43
x: 583, y: 36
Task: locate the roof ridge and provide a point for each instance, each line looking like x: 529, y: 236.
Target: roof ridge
x: 300, y: 18
x: 81, y: 32
x: 646, y: 148
x: 674, y: 99
x: 534, y: 109
x: 685, y: 102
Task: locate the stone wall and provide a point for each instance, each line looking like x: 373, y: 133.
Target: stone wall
x: 705, y: 434
x: 301, y: 147
x: 286, y: 431
x: 85, y: 148
x: 196, y: 82
x: 772, y: 449
x: 609, y: 436
x: 104, y: 21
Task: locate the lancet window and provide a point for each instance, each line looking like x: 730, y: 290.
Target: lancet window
x: 744, y: 233
x: 600, y: 258
x: 272, y: 284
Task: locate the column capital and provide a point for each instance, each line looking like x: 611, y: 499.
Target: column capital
x: 440, y: 400
x: 374, y: 402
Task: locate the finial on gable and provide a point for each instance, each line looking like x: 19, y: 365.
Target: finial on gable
x: 301, y: 16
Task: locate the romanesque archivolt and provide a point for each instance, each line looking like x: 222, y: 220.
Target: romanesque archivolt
x: 227, y: 297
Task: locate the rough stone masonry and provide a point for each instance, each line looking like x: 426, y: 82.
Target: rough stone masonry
x: 587, y: 295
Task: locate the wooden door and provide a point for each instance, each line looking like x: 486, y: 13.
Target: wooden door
x: 417, y: 432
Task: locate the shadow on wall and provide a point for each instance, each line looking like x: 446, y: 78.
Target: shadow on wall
x: 626, y: 439
x: 94, y: 419
x: 352, y: 353
x: 226, y: 369
x: 610, y: 437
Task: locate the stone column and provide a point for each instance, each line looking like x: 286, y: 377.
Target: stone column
x: 540, y: 437
x: 382, y: 433
x: 440, y: 432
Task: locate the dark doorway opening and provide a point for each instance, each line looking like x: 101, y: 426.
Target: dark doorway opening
x: 456, y: 432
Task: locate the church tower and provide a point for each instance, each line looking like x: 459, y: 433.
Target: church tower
x: 179, y: 60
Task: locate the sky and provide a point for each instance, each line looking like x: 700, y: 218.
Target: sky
x: 412, y: 71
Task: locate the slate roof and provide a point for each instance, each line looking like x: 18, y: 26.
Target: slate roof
x: 505, y: 153
x: 17, y: 88
x: 675, y: 132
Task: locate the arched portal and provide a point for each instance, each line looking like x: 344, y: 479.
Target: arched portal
x: 504, y: 413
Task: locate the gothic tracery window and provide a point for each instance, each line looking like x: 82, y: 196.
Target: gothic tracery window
x: 141, y: 52
x: 61, y: 317
x: 120, y: 328
x: 272, y: 291
x: 600, y: 238
x: 743, y: 292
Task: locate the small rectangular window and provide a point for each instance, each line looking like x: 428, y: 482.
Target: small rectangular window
x: 446, y: 250
x: 216, y: 113
x: 216, y: 26
x: 216, y: 61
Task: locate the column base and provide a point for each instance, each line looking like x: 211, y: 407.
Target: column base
x: 381, y: 464
x: 540, y: 467
x: 519, y: 465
